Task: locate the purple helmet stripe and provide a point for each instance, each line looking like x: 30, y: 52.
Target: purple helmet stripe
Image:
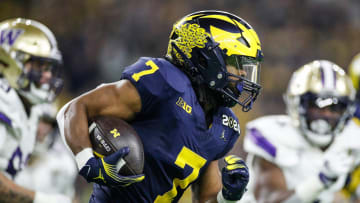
x: 322, y: 76
x: 262, y: 142
x: 5, y: 119
x: 334, y: 78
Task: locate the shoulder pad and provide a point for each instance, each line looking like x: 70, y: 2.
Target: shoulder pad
x: 349, y: 138
x: 155, y: 74
x: 275, y: 139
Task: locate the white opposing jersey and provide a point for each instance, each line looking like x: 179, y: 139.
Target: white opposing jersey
x: 276, y: 140
x: 53, y: 171
x: 17, y: 130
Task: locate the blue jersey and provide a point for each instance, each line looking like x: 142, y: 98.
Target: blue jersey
x: 178, y: 144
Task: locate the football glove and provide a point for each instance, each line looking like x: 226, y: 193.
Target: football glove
x: 235, y: 177
x: 103, y: 171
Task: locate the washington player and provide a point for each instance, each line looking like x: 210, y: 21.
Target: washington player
x: 179, y: 106
x: 29, y: 67
x: 305, y: 156
x: 354, y: 72
x: 51, y: 167
x: 352, y: 189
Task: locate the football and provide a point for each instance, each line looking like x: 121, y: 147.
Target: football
x: 109, y: 134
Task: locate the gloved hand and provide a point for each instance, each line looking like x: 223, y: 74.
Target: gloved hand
x: 103, y: 171
x: 235, y: 177
x: 335, y: 165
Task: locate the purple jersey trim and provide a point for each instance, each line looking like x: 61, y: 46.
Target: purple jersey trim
x: 5, y: 119
x: 262, y: 142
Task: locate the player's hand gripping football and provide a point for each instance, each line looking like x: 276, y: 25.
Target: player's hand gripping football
x: 104, y: 171
x: 235, y: 177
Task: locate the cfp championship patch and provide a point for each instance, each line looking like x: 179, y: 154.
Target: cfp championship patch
x: 230, y: 122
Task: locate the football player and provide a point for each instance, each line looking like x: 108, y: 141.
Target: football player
x: 180, y: 107
x: 29, y: 67
x: 51, y: 167
x: 352, y: 188
x: 354, y: 72
x: 305, y: 156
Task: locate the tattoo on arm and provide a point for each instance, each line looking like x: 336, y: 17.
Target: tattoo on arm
x: 10, y: 192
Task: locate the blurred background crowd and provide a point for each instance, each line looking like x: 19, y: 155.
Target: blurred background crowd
x: 98, y: 38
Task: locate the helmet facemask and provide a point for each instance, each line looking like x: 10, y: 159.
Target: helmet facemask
x: 40, y: 80
x: 322, y: 117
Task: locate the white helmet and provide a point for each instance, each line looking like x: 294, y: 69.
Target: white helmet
x: 318, y: 85
x: 24, y: 41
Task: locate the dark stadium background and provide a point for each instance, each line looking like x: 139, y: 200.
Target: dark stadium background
x: 98, y: 38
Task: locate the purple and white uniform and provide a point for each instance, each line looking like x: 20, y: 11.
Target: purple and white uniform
x: 17, y: 130
x: 275, y: 139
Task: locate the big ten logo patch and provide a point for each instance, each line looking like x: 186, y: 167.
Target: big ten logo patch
x: 9, y: 36
x: 181, y: 103
x: 230, y: 122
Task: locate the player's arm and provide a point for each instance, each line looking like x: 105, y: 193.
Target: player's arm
x: 11, y: 192
x: 120, y: 99
x: 208, y: 186
x: 270, y: 183
x: 229, y: 188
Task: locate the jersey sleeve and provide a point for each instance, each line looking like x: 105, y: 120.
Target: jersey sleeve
x: 233, y: 138
x: 231, y: 124
x: 151, y: 84
x: 271, y: 138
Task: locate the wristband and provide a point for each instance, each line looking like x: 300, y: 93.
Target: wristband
x: 308, y: 190
x: 83, y: 156
x: 220, y: 198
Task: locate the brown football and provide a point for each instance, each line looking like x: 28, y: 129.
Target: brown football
x: 109, y: 134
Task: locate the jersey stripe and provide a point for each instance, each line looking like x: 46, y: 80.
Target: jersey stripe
x: 5, y: 119
x: 261, y: 141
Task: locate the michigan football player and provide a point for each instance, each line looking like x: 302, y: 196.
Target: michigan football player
x: 179, y: 106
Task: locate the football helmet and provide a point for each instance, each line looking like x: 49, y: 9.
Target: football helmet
x: 220, y: 50
x: 320, y: 100
x: 354, y: 73
x: 30, y: 59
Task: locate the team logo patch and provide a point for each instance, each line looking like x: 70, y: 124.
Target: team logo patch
x: 9, y: 36
x: 182, y: 103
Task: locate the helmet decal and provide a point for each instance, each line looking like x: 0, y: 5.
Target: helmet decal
x: 10, y: 36
x: 189, y: 37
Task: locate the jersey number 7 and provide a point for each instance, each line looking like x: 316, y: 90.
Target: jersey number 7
x: 185, y: 157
